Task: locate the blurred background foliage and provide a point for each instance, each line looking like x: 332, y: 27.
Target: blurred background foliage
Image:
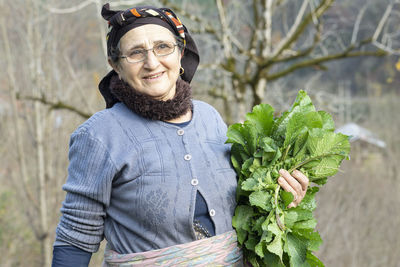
x: 53, y: 58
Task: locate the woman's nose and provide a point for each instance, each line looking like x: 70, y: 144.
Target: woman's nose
x: 151, y: 61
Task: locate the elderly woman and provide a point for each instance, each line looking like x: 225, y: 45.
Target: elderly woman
x: 151, y: 173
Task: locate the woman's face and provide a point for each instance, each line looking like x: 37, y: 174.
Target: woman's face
x: 155, y: 76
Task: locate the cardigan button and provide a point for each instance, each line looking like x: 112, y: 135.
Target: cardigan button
x: 194, y: 182
x: 212, y: 212
x: 187, y: 157
x: 180, y: 132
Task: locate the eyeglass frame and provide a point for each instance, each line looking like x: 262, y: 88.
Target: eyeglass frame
x: 147, y: 52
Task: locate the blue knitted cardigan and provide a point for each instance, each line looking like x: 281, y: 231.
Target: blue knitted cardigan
x: 134, y: 181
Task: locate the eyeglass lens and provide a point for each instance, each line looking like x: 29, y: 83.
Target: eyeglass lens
x: 160, y: 49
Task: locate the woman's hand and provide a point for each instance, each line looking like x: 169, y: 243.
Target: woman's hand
x: 295, y: 183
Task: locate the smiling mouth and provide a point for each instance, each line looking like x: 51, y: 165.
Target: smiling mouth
x: 153, y: 76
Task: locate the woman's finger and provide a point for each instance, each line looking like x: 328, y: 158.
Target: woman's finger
x: 303, y: 180
x: 291, y: 181
x: 286, y: 186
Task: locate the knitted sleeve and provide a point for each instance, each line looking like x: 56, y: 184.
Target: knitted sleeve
x: 88, y: 187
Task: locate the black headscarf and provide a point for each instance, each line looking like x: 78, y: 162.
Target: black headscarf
x: 120, y: 22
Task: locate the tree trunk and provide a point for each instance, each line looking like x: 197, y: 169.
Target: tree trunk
x: 240, y: 91
x: 259, y: 91
x: 45, y: 237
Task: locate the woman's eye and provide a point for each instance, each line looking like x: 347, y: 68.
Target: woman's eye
x: 137, y: 52
x: 163, y: 46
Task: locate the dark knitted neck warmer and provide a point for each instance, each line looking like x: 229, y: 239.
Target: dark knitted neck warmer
x: 149, y: 107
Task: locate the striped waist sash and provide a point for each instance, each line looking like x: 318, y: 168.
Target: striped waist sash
x: 220, y: 250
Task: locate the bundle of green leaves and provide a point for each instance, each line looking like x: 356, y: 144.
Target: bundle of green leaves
x: 271, y: 234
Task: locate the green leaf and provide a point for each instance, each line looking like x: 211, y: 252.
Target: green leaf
x: 259, y: 248
x: 238, y: 156
x: 327, y: 166
x: 313, y: 238
x: 297, y: 214
x: 321, y: 142
x: 250, y: 184
x: 314, y: 261
x: 243, y: 134
x: 327, y: 122
x: 297, y: 251
x: 308, y: 202
x: 302, y: 104
x: 257, y: 225
x: 287, y: 197
x: 274, y: 228
x: 262, y: 175
x: 261, y: 199
x: 251, y: 137
x: 241, y: 235
x: 272, y: 260
x: 299, y: 149
x: 245, y: 167
x: 268, y: 144
x: 308, y: 224
x: 255, y: 165
x: 276, y: 246
x: 320, y: 181
x: 268, y: 221
x: 235, y: 134
x: 241, y: 219
x: 299, y: 124
x: 251, y: 242
x: 261, y: 118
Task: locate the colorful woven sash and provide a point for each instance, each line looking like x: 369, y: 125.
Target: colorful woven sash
x: 220, y: 250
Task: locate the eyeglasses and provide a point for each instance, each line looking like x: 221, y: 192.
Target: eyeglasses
x: 140, y: 54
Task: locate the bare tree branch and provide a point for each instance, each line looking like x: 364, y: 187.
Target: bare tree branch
x: 101, y: 24
x: 388, y: 49
x: 378, y: 32
x: 294, y: 32
x: 268, y: 28
x: 357, y: 24
x: 382, y: 22
x: 205, y: 27
x: 253, y: 40
x: 225, y: 30
x: 18, y: 138
x: 318, y: 61
x: 124, y: 3
x: 57, y: 105
x: 70, y: 9
x: 299, y: 54
x: 76, y: 81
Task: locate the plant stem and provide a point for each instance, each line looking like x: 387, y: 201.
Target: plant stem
x: 311, y: 159
x: 278, y: 219
x: 286, y: 152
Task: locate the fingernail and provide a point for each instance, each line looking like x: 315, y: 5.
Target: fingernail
x: 281, y: 171
x: 280, y: 179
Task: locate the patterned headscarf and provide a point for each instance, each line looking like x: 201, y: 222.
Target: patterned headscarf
x: 120, y: 22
